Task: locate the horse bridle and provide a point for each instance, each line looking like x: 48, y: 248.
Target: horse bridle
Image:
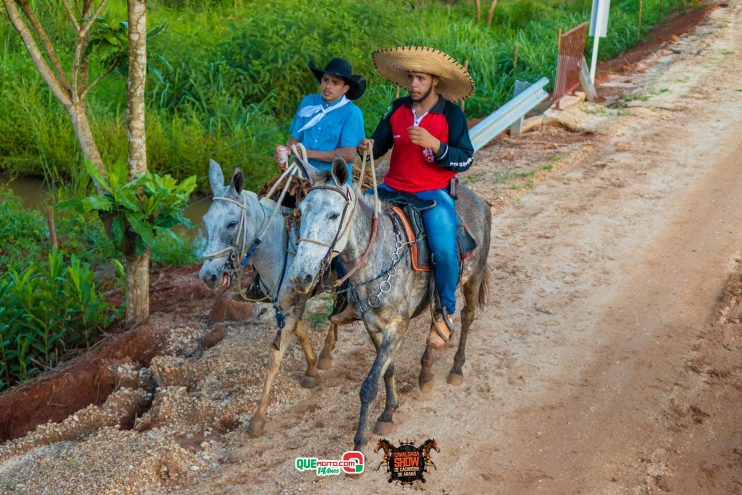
x: 350, y: 202
x: 239, y: 246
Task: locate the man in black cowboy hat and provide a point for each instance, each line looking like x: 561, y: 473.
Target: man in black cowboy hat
x: 328, y: 123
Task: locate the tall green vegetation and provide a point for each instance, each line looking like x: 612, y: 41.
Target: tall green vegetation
x: 47, y: 310
x: 54, y: 302
x: 226, y: 75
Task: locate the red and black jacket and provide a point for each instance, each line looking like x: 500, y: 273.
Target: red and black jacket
x: 414, y: 168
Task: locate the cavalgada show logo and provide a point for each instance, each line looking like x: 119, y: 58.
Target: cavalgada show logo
x: 407, y: 463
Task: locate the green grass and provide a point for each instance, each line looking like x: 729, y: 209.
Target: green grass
x: 501, y: 177
x: 233, y: 71
x: 525, y: 185
x: 319, y: 316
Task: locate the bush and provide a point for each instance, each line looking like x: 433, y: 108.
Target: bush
x: 46, y: 311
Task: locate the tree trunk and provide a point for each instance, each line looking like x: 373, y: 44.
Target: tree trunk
x: 137, y: 267
x: 83, y: 131
x: 135, y: 96
x: 137, y: 287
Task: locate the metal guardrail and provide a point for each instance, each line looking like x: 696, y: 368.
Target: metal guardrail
x: 492, y: 125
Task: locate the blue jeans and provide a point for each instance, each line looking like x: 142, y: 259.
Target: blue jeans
x: 440, y: 227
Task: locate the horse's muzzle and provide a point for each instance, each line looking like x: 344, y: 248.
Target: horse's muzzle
x: 302, y: 282
x: 214, y: 279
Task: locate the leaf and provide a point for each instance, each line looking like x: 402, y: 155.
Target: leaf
x: 95, y: 173
x: 141, y: 228
x: 120, y: 271
x: 155, y: 31
x: 97, y: 203
x: 156, y: 72
x: 188, y: 185
x: 172, y: 235
x: 71, y: 204
x: 118, y: 231
x: 126, y: 197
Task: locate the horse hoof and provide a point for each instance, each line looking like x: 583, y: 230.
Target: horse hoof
x: 383, y: 428
x: 455, y: 378
x: 359, y: 446
x: 255, y: 428
x: 426, y: 386
x: 324, y: 363
x: 309, y: 381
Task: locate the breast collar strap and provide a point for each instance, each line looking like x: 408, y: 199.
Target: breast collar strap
x: 350, y: 203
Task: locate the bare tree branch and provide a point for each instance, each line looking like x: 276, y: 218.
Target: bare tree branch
x: 45, y: 41
x: 80, y: 48
x: 76, y: 61
x: 98, y: 79
x: 84, y: 70
x: 61, y: 92
x: 88, y: 24
x: 72, y: 15
x: 491, y: 13
x: 87, y: 6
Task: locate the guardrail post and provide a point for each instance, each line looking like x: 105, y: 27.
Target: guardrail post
x: 587, y: 84
x: 517, y: 128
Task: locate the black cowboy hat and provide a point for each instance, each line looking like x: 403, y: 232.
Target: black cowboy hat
x: 341, y: 68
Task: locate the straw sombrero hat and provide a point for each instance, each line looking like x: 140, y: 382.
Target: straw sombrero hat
x: 394, y: 64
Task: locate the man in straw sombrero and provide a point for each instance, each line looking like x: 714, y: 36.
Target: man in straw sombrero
x: 431, y: 144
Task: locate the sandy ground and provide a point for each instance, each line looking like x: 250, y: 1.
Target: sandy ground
x: 608, y: 361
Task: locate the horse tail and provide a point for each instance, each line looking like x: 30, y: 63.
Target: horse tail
x: 484, y: 285
x: 484, y: 288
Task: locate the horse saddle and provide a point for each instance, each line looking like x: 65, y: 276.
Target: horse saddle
x: 407, y: 212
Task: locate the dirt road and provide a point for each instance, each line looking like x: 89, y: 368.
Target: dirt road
x: 608, y: 361
x: 598, y: 367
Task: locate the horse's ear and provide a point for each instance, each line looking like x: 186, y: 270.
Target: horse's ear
x: 216, y: 177
x: 238, y: 181
x: 340, y: 171
x: 310, y: 172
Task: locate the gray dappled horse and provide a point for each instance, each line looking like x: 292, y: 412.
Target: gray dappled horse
x: 337, y: 220
x: 235, y: 209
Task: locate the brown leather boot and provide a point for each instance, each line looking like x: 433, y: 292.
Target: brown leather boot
x: 347, y: 315
x: 439, y: 334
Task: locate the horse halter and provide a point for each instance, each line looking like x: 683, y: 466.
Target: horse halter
x: 350, y: 203
x: 239, y: 246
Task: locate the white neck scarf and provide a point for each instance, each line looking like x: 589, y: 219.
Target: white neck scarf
x: 319, y: 112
